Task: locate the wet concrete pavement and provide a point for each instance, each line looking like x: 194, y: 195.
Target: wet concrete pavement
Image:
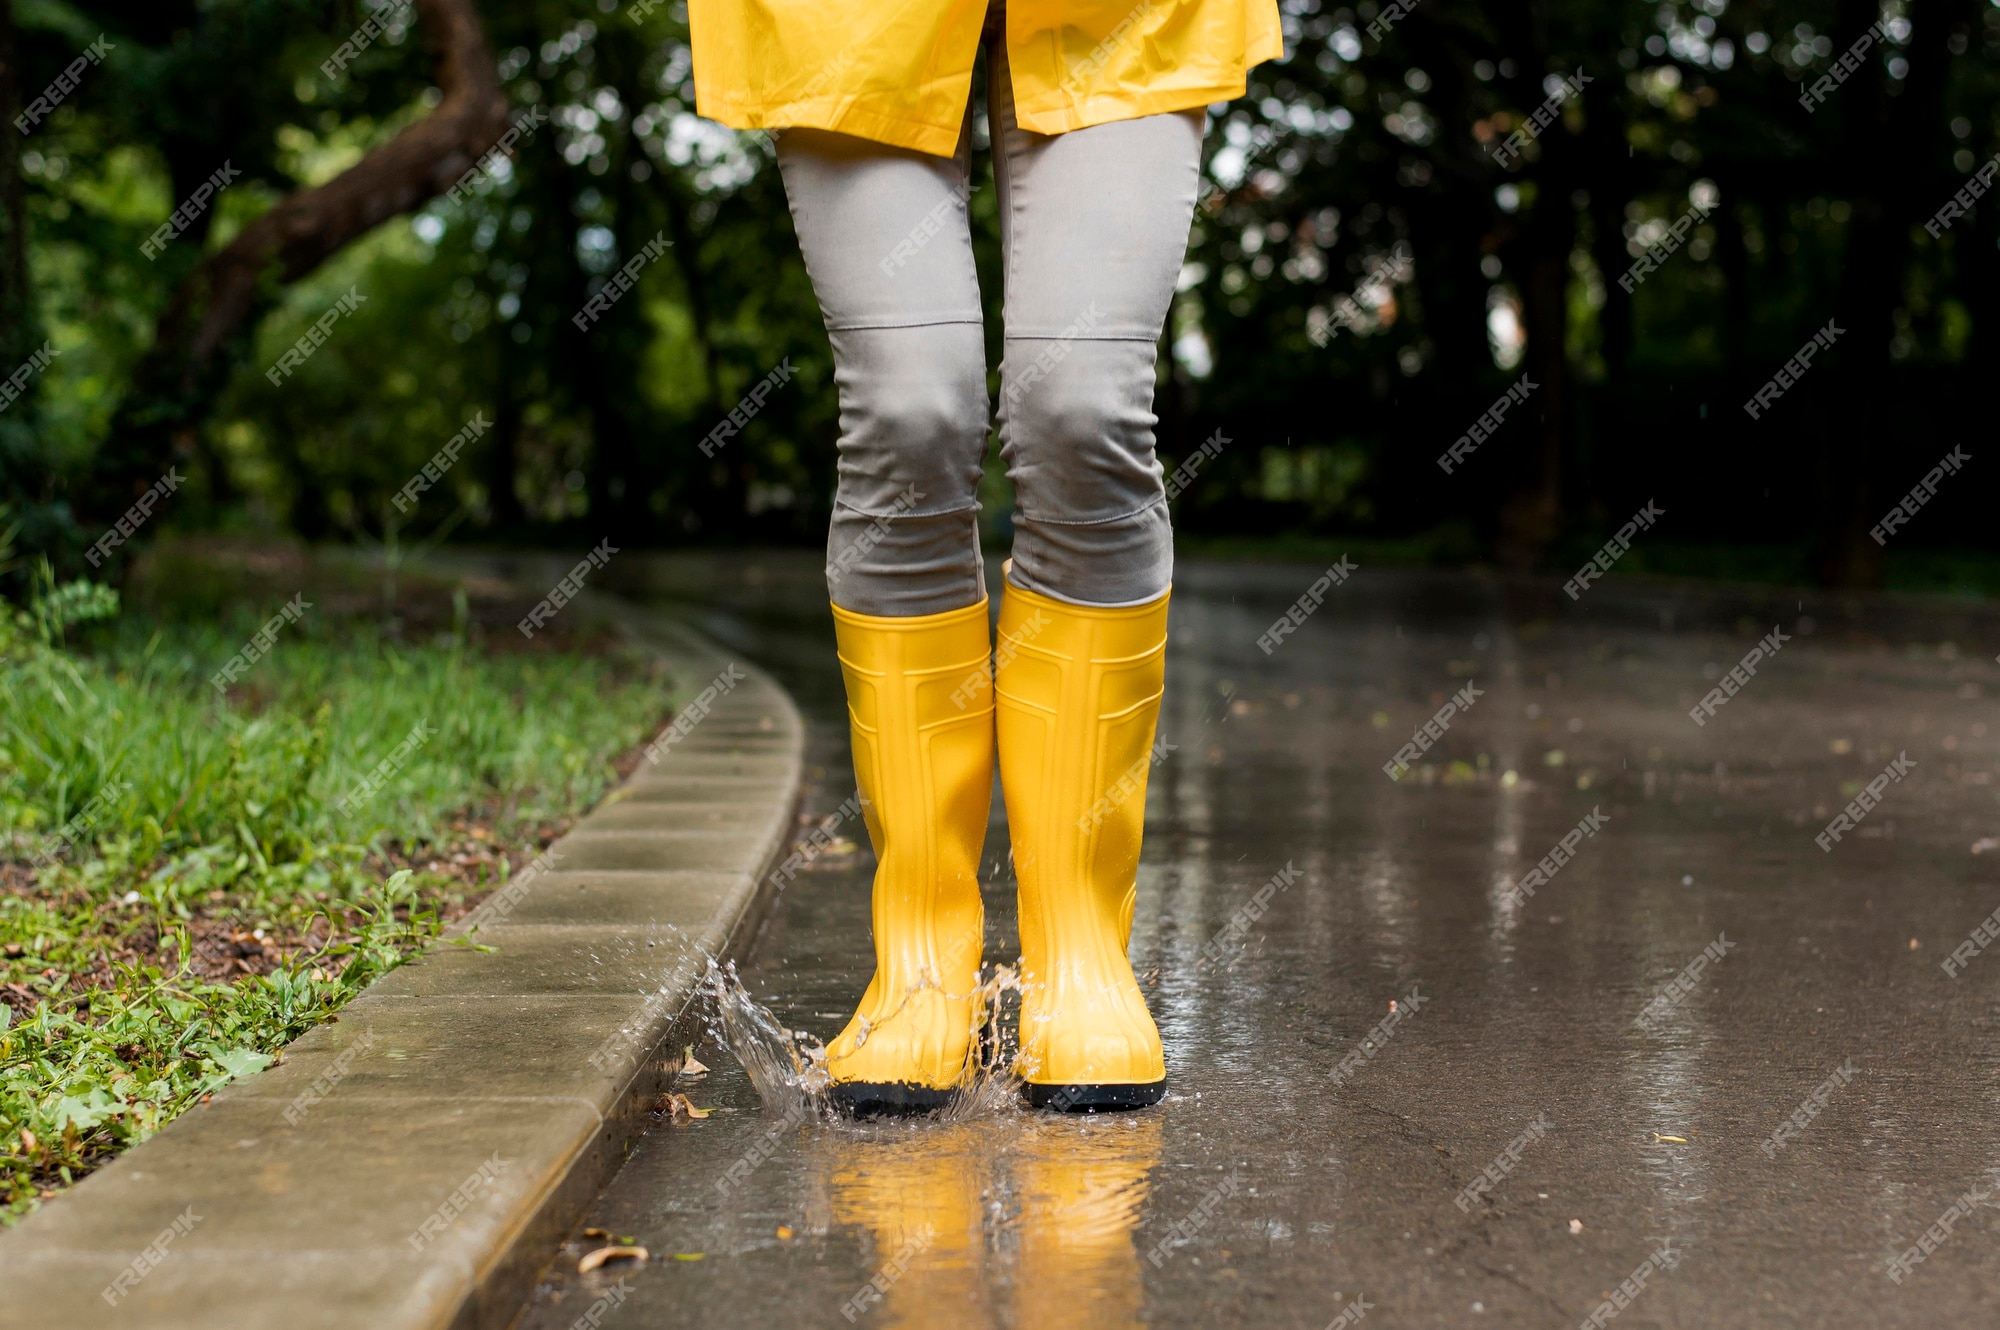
x: 1311, y: 1159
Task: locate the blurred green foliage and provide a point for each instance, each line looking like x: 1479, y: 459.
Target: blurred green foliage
x: 1366, y: 137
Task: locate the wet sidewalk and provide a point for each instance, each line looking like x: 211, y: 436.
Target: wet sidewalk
x: 1618, y: 959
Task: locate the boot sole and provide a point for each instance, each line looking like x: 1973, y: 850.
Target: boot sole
x: 1094, y: 1098
x: 862, y: 1099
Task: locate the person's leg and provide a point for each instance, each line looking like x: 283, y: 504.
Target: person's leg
x: 1096, y: 224
x: 889, y: 250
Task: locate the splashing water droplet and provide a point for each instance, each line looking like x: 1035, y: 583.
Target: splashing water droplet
x: 994, y: 1088
x: 787, y: 1068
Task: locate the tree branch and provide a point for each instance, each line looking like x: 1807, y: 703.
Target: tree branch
x: 310, y: 226
x: 177, y: 379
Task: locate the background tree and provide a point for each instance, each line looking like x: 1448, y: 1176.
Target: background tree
x: 1353, y: 151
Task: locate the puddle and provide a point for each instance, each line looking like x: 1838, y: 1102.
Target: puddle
x: 1272, y: 1189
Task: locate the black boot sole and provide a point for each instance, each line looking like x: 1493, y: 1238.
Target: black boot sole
x: 1094, y: 1098
x: 860, y: 1099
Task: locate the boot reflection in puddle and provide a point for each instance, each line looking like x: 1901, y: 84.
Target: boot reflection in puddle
x: 919, y: 1194
x: 1080, y: 1186
x: 1073, y: 1192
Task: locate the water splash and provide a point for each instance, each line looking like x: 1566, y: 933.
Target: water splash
x: 994, y: 1089
x: 787, y: 1067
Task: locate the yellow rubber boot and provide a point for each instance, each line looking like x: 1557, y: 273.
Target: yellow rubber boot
x: 1077, y: 696
x: 921, y: 714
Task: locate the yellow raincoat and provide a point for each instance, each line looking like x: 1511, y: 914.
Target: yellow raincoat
x: 898, y: 71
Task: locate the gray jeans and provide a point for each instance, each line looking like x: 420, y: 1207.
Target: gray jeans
x: 1094, y: 226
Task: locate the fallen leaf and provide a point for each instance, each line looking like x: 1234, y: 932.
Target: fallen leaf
x: 594, y: 1259
x: 597, y: 1233
x: 689, y: 1255
x: 676, y: 1106
x: 1678, y: 1140
x: 691, y: 1065
x: 242, y: 1062
x: 1576, y: 1226
x: 784, y: 1233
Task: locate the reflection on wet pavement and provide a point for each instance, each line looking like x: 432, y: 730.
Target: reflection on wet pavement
x: 1064, y: 1200
x: 1273, y: 1187
x: 1080, y: 1186
x: 920, y: 1200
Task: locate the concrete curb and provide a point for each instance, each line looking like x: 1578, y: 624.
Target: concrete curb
x: 413, y: 1165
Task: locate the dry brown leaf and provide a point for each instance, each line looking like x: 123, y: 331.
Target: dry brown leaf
x: 691, y: 1065
x: 592, y: 1260
x: 676, y: 1106
x: 597, y: 1233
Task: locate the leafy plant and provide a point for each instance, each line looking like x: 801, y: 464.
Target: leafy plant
x: 143, y: 816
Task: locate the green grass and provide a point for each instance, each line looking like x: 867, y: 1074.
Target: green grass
x: 213, y: 826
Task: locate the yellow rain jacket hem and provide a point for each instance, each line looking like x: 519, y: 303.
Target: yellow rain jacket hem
x: 841, y: 115
x: 1061, y: 117
x: 899, y: 71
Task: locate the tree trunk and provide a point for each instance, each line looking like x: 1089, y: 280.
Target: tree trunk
x: 1891, y: 192
x: 16, y: 306
x: 1612, y: 186
x: 1733, y: 258
x: 30, y: 507
x: 176, y: 381
x: 1531, y: 515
